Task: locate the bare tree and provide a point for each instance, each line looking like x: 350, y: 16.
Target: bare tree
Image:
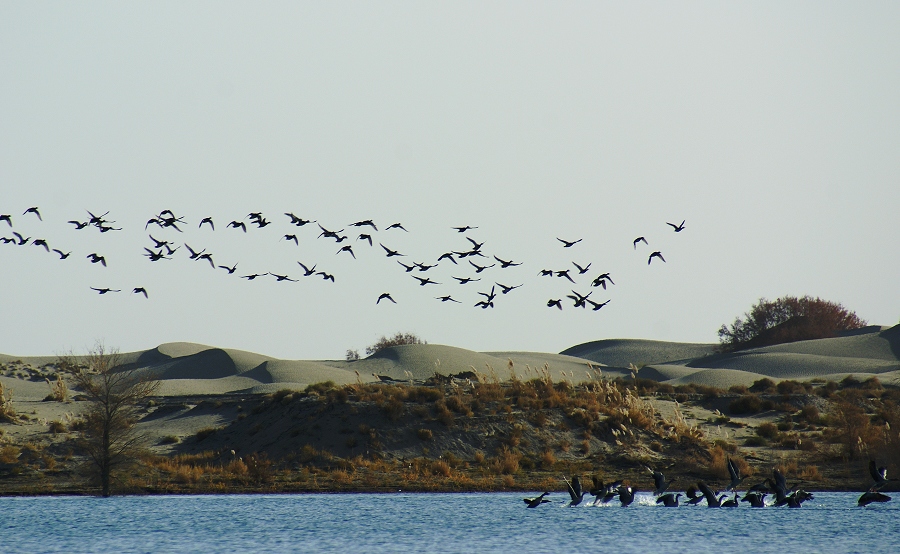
x: 114, y: 394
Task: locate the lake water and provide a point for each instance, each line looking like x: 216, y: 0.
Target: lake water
x: 488, y: 522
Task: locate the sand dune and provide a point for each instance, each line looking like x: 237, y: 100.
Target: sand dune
x: 187, y: 369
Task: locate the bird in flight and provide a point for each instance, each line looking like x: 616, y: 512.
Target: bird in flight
x: 291, y: 237
x: 596, y: 305
x: 155, y: 256
x: 489, y: 296
x: 365, y: 236
x: 390, y: 253
x: 424, y: 281
x: 546, y: 273
x: 565, y: 273
x: 365, y: 222
x: 408, y: 268
x: 230, y: 270
x: 96, y: 258
x: 568, y: 243
x: 105, y: 290
x: 464, y: 229
x: 424, y: 267
x: 282, y: 277
x: 656, y: 254
x: 601, y: 280
x: 504, y: 289
x: 447, y: 298
x: 194, y: 255
x: 79, y: 225
x: 296, y: 220
x: 347, y: 248
x: 447, y: 256
x: 62, y: 255
x: 41, y: 242
x: 557, y: 303
x: 639, y: 239
x: 582, y: 270
x: 252, y: 276
x: 140, y: 290
x: 7, y: 218
x: 34, y: 211
x: 207, y: 220
x: 579, y: 298
x: 464, y: 280
x: 238, y: 225
x: 307, y: 271
x: 385, y: 296
x: 484, y: 304
x: 326, y: 276
x: 22, y: 240
x: 397, y: 226
x: 476, y: 246
x: 677, y: 228
x: 506, y: 263
x: 480, y: 268
x: 208, y: 258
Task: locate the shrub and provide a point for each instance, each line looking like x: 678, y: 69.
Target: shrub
x: 767, y: 430
x: 205, y: 433
x: 397, y: 340
x: 352, y: 355
x: 425, y: 434
x: 764, y: 385
x: 57, y: 426
x: 787, y: 319
x: 747, y: 404
x: 169, y: 439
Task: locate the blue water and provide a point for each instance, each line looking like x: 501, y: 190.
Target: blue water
x: 489, y: 522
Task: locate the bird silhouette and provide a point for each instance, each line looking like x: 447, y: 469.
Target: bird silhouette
x: 601, y: 280
x: 464, y: 280
x: 476, y: 246
x: 546, y: 273
x: 447, y: 256
x: 735, y: 473
x: 105, y: 290
x: 677, y: 228
x: 489, y: 296
x: 579, y: 298
x: 575, y: 491
x: 307, y: 271
x: 207, y: 220
x: 291, y: 237
x: 41, y: 242
x: 558, y: 303
x: 7, y: 218
x: 656, y: 254
x: 565, y: 273
x: 194, y: 254
x: 252, y: 276
x: 22, y: 240
x: 505, y: 289
x: 659, y: 481
x: 208, y: 257
x: 669, y: 500
x: 396, y: 226
x: 107, y: 228
x: 364, y: 223
x: 484, y: 304
x: 596, y: 305
x: 879, y: 474
x: 536, y: 501
x: 385, y: 296
x: 447, y: 298
x: 96, y: 258
x: 424, y: 267
x: 506, y: 263
x: 626, y: 496
x: 238, y: 225
x: 96, y: 219
x: 280, y: 278
x: 7, y: 240
x: 424, y: 281
x: 712, y: 501
x: 230, y: 270
x: 640, y: 239
x: 326, y: 276
x: 79, y: 225
x: 365, y: 237
x: 140, y: 290
x: 155, y: 256
x: 299, y: 222
x: 408, y: 268
x: 732, y: 503
x: 33, y: 210
x: 62, y: 255
x: 159, y: 243
x: 568, y: 243
x: 464, y: 229
x: 347, y: 248
x: 582, y: 270
x: 871, y: 496
x: 693, y: 497
x: 480, y: 268
x: 390, y: 253
x: 755, y: 499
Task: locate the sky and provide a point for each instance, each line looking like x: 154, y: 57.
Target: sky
x: 770, y: 128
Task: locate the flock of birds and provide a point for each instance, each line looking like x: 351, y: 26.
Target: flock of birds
x: 777, y: 486
x: 470, y: 262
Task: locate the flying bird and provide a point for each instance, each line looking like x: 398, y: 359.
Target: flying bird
x: 659, y: 482
x: 22, y: 240
x: 669, y: 500
x: 252, y: 276
x: 34, y: 211
x: 464, y: 229
x: 582, y: 270
x: 677, y: 228
x: 347, y: 248
x: 480, y: 268
x: 207, y: 220
x: 41, y: 242
x: 871, y: 496
x: 447, y: 298
x: 656, y: 254
x: 230, y: 270
x: 280, y: 278
x: 464, y: 280
x: 140, y: 290
x: 238, y: 225
x: 505, y: 289
x: 640, y: 239
x: 366, y: 222
x: 291, y: 237
x: 396, y: 226
x: 364, y: 236
x: 62, y: 255
x: 424, y: 281
x: 447, y: 256
x: 735, y: 473
x: 390, y: 253
x: 565, y: 273
x: 506, y: 263
x: 596, y: 305
x: 7, y: 218
x: 105, y: 290
x: 96, y: 258
x: 536, y: 501
x: 326, y: 276
x: 307, y: 270
x: 558, y: 303
x: 575, y: 491
x: 79, y: 225
x: 568, y: 243
x: 385, y: 296
x: 476, y: 246
x: 879, y: 474
x: 408, y: 268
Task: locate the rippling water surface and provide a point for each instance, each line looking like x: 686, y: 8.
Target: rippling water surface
x: 496, y: 522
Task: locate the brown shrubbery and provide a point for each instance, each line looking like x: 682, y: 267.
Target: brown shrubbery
x: 397, y: 340
x: 787, y: 319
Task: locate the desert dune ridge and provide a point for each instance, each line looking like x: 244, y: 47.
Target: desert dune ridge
x: 189, y: 369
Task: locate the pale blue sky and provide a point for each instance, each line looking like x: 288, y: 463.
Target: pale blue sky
x: 772, y: 128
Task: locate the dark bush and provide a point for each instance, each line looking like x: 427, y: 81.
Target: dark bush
x: 747, y: 404
x: 765, y: 385
x: 787, y: 319
x: 397, y: 340
x: 767, y: 430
